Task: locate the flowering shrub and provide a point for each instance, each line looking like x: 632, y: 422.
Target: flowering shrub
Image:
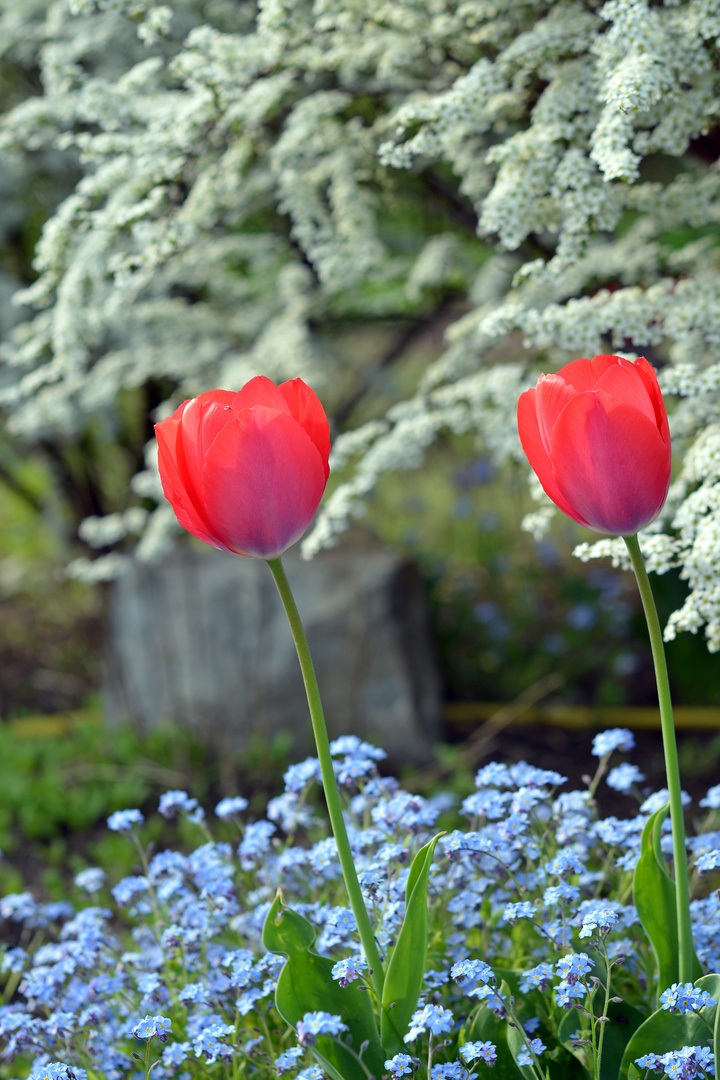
x: 536, y: 966
x: 248, y: 188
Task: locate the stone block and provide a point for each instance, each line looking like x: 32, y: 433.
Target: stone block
x: 202, y: 640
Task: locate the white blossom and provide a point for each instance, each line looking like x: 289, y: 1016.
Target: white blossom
x: 240, y: 185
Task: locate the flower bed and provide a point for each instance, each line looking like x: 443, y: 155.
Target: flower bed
x: 536, y: 962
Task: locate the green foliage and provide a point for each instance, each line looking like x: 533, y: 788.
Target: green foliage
x: 507, y: 612
x: 654, y: 898
x: 62, y: 777
x: 306, y: 984
x: 516, y: 1044
x: 66, y: 782
x: 661, y: 1032
x: 467, y: 917
x: 50, y: 627
x: 406, y: 970
x: 623, y: 1020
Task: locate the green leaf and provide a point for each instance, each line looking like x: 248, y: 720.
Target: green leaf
x: 711, y: 985
x: 623, y: 1023
x: 488, y: 1028
x: 624, y: 1020
x: 599, y: 970
x: 516, y: 1043
x: 405, y: 972
x: 306, y: 984
x: 285, y: 931
x: 557, y: 1064
x: 654, y: 897
x: 567, y: 1027
x: 662, y: 1032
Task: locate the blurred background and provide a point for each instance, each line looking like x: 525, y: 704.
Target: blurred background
x: 533, y: 652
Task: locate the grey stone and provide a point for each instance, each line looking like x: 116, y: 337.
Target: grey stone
x: 202, y: 640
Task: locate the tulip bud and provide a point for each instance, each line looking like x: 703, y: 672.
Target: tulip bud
x: 245, y: 472
x: 597, y: 436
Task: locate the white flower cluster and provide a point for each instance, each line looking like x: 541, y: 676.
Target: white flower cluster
x: 241, y: 185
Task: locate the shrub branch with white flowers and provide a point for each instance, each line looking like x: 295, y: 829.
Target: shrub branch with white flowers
x: 251, y: 176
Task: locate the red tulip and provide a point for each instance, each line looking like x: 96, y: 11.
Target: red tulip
x: 245, y: 472
x: 597, y: 436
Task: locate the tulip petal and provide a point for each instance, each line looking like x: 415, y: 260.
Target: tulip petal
x: 262, y: 482
x: 305, y: 407
x: 260, y: 391
x: 169, y: 439
x: 610, y: 463
x: 603, y: 361
x: 647, y: 374
x: 623, y: 382
x: 295, y: 397
x: 583, y: 374
x: 537, y: 455
x: 202, y: 419
x: 553, y: 394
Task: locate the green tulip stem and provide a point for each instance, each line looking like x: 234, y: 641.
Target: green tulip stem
x: 332, y: 795
x: 672, y: 768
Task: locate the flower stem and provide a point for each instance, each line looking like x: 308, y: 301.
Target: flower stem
x: 606, y: 1003
x: 332, y: 795
x: 672, y: 768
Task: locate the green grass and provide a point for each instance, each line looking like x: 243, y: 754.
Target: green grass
x: 57, y: 789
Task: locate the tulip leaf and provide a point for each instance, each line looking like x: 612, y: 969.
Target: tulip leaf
x: 406, y: 969
x: 306, y: 985
x: 662, y: 1032
x: 654, y: 897
x: 711, y: 984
